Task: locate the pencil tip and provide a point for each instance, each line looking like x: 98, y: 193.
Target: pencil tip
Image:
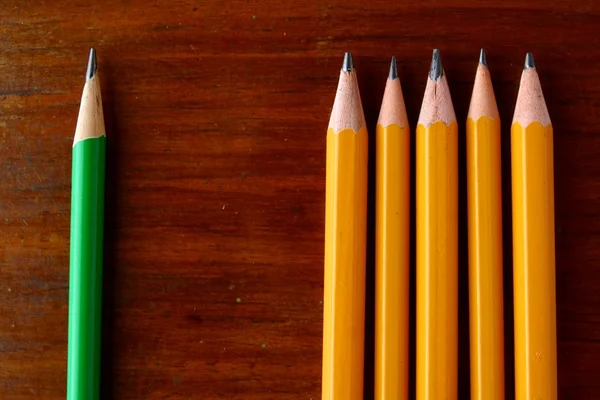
x: 482, y: 59
x: 348, y: 64
x: 436, y: 69
x: 529, y: 61
x: 393, y: 69
x: 92, y: 65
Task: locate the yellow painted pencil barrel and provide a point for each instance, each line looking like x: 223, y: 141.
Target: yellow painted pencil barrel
x: 392, y: 245
x: 484, y: 195
x: 345, y: 241
x: 533, y: 242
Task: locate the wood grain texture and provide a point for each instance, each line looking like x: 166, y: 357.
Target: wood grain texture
x: 216, y: 116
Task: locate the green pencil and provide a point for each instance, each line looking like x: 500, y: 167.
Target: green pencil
x: 87, y: 230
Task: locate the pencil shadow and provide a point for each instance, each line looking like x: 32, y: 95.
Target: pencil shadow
x: 412, y: 297
x: 507, y: 261
x: 369, y: 73
x: 108, y: 372
x: 564, y: 196
x: 464, y: 348
x: 412, y: 88
x: 506, y: 95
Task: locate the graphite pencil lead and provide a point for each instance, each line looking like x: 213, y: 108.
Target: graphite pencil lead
x: 348, y: 64
x: 529, y: 61
x: 92, y: 66
x: 482, y: 59
x: 436, y: 69
x: 393, y: 69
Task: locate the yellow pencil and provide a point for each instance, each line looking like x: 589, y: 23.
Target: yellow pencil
x: 437, y: 242
x: 345, y: 237
x: 392, y: 244
x: 484, y: 189
x: 533, y: 242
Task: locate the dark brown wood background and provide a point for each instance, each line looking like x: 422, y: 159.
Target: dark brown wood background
x: 216, y: 113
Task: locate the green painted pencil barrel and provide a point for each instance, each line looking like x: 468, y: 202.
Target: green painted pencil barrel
x: 85, y: 283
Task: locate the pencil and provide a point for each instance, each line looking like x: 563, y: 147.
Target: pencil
x: 392, y: 244
x: 484, y: 192
x: 533, y: 241
x: 87, y: 228
x: 345, y: 237
x: 437, y: 243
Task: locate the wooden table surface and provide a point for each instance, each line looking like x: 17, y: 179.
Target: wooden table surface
x: 216, y: 113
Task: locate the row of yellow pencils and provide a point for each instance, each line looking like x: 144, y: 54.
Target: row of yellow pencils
x: 437, y: 242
